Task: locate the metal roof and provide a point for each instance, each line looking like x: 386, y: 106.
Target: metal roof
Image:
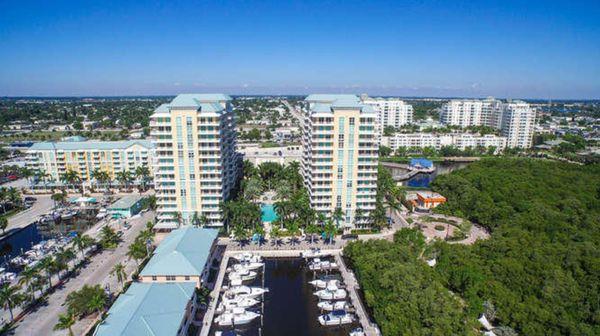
x: 125, y: 202
x: 153, y: 309
x: 329, y: 98
x: 184, y: 251
x: 90, y: 145
x: 326, y: 103
x: 203, y: 102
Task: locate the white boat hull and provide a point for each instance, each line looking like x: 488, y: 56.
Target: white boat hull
x: 335, y: 320
x: 325, y: 294
x: 229, y: 319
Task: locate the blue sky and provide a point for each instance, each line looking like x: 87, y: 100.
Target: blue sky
x: 518, y: 49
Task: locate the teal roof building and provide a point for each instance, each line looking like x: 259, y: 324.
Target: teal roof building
x: 184, y: 252
x: 152, y: 309
x: 326, y: 103
x: 201, y: 102
x: 90, y: 145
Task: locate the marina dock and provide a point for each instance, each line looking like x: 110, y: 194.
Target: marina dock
x: 348, y: 278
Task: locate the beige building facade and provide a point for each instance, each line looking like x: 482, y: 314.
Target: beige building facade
x: 340, y: 156
x: 196, y: 165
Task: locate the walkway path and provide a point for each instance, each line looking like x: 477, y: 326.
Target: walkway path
x: 353, y: 287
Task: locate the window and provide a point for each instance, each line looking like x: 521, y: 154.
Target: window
x: 154, y: 278
x: 187, y: 277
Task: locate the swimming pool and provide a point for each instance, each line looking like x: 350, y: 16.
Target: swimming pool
x: 268, y: 213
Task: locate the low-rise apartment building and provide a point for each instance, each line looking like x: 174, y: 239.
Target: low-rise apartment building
x: 151, y: 309
x: 461, y: 141
x: 182, y: 257
x: 85, y: 157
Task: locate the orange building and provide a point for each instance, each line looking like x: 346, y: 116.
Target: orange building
x: 428, y: 200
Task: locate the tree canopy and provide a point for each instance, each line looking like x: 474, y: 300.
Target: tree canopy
x: 540, y: 269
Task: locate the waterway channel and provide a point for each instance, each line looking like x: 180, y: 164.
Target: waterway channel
x: 22, y: 240
x: 423, y: 180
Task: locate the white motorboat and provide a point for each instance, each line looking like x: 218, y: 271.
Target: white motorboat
x: 7, y: 276
x: 247, y: 257
x: 68, y: 215
x: 102, y: 213
x: 327, y: 294
x: 251, y: 292
x: 237, y: 302
x: 249, y: 265
x: 244, y: 275
x: 320, y: 265
x: 336, y: 317
x: 333, y: 305
x: 236, y: 316
x: 226, y: 333
x: 324, y: 284
x: 314, y: 253
x: 357, y: 332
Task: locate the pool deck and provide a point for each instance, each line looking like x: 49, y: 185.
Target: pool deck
x: 348, y: 276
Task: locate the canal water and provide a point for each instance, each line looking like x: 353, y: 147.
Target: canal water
x: 423, y: 180
x: 290, y: 308
x: 22, y: 240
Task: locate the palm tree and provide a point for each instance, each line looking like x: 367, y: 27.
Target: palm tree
x: 3, y: 196
x: 143, y: 174
x: 14, y: 196
x: 48, y: 265
x: 28, y: 275
x: 119, y: 271
x: 311, y: 229
x: 137, y: 251
x: 196, y: 219
x: 82, y: 242
x: 71, y: 177
x: 358, y: 216
x: 60, y: 198
x: 10, y: 298
x: 3, y: 224
x: 99, y: 176
x: 97, y: 303
x: 178, y: 218
x: 65, y: 321
x: 330, y: 230
x: 253, y: 189
x: 203, y: 220
x: 338, y: 215
x: 293, y: 229
x: 64, y: 257
x: 124, y: 177
x: 321, y: 219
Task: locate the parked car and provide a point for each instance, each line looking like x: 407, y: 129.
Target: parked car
x: 351, y: 236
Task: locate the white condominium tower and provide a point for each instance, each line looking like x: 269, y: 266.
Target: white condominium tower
x: 517, y: 124
x: 391, y: 111
x: 515, y: 120
x: 465, y: 113
x: 196, y: 166
x: 340, y: 156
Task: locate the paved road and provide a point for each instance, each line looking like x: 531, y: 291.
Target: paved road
x: 43, y: 205
x: 295, y: 112
x: 41, y: 321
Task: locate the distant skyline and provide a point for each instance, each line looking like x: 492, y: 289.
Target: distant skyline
x: 508, y: 49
